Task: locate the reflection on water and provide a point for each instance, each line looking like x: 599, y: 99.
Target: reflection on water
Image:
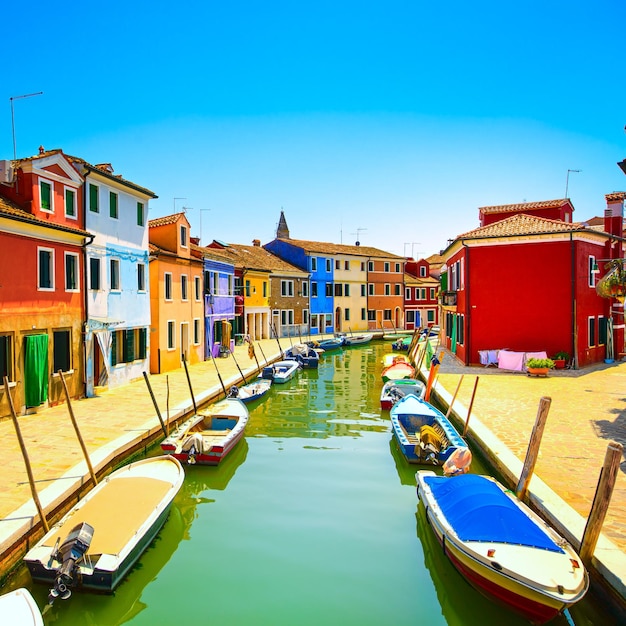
x: 309, y: 520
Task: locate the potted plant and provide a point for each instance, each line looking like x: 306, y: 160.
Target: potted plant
x: 560, y: 359
x: 613, y: 284
x: 539, y: 367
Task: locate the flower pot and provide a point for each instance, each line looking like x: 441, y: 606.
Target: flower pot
x: 538, y: 371
x: 559, y: 364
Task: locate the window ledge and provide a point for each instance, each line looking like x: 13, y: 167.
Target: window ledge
x: 68, y: 373
x: 11, y: 385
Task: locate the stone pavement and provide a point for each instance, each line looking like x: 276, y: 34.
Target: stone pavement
x: 588, y: 411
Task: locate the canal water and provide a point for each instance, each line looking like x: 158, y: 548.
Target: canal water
x: 312, y: 520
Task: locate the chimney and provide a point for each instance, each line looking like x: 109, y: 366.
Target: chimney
x: 614, y: 213
x: 256, y: 243
x: 41, y: 150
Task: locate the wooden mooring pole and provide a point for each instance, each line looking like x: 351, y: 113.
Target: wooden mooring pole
x: 533, y: 447
x: 471, y: 404
x: 454, y: 396
x: 601, y: 500
x: 76, y: 429
x: 156, y: 406
x: 193, y: 398
x: 29, y: 471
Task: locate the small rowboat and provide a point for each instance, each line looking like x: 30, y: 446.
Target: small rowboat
x: 356, y: 340
x: 399, y: 368
x: 500, y: 546
x: 393, y: 390
x: 281, y: 371
x: 250, y: 392
x: 307, y: 356
x: 19, y: 608
x: 208, y: 437
x: 332, y: 343
x: 97, y: 542
x: 424, y: 434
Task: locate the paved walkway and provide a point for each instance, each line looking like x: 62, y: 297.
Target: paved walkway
x: 588, y: 411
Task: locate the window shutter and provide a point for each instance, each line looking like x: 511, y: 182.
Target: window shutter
x: 114, y: 348
x: 129, y: 346
x: 46, y: 196
x: 143, y: 341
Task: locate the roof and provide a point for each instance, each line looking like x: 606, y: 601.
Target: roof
x: 615, y: 196
x: 254, y: 257
x: 524, y: 206
x: 104, y: 168
x: 523, y: 224
x: 164, y: 221
x: 338, y: 248
x: 13, y: 211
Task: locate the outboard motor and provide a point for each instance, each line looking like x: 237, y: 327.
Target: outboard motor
x: 233, y: 392
x: 72, y: 550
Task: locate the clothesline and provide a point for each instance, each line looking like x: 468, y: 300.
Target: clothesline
x: 509, y: 359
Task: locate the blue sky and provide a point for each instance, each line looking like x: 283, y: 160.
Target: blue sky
x: 395, y: 120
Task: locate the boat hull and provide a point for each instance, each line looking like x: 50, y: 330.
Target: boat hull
x: 393, y: 390
x: 107, y: 507
x: 281, y: 371
x: 18, y: 608
x: 498, y: 580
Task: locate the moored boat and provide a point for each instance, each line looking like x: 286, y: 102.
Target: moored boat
x: 97, y: 542
x: 331, y: 343
x: 356, y: 340
x: 393, y: 390
x: 18, y: 608
x: 399, y: 368
x: 502, y: 547
x: 424, y: 434
x: 307, y: 356
x: 281, y: 371
x: 208, y: 437
x: 251, y: 391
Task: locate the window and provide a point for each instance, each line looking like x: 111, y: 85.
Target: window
x: 338, y: 289
x: 387, y: 289
x: 346, y: 265
x: 410, y: 317
x: 397, y: 268
x: 362, y: 266
x: 329, y: 290
x: 346, y: 290
x: 142, y: 353
x: 407, y: 293
x: 371, y: 315
x: 183, y: 287
x: 314, y: 264
x: 286, y: 317
x: 397, y: 289
x: 61, y: 351
x: 71, y: 272
x: 370, y: 266
x: 115, y: 274
x: 45, y: 196
x: 591, y: 331
x: 94, y: 274
x: 387, y: 266
x: 420, y: 294
x: 265, y: 289
x: 183, y: 236
x: 370, y: 289
x: 432, y: 293
x: 305, y: 316
x: 230, y: 285
x: 70, y: 203
x: 286, y: 288
x: 363, y: 290
x: 141, y: 277
x: 168, y: 285
x: 602, y: 331
x: 129, y: 345
x: 45, y: 269
x: 197, y: 288
x: 430, y: 316
x: 329, y: 265
x: 313, y: 290
x: 347, y: 315
x: 329, y: 321
x: 363, y: 314
x: 6, y: 357
x: 314, y: 320
x: 593, y: 271
x: 93, y: 198
x: 422, y: 271
x: 387, y: 314
x: 141, y: 216
x: 248, y: 289
x: 305, y: 289
x: 214, y: 283
x: 171, y: 341
x: 113, y: 204
x: 460, y: 326
x: 337, y: 264
x: 196, y: 331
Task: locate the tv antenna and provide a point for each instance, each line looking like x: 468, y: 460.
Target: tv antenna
x: 412, y: 244
x: 358, y: 235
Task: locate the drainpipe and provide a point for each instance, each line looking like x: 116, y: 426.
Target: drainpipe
x: 86, y: 284
x: 574, y: 316
x: 468, y: 308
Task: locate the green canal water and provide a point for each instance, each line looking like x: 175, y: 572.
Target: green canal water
x: 312, y: 519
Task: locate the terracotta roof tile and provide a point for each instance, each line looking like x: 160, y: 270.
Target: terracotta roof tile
x: 337, y: 248
x: 524, y: 206
x: 164, y: 221
x: 522, y: 224
x: 615, y: 196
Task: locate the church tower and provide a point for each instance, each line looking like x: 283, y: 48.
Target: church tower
x: 282, y: 232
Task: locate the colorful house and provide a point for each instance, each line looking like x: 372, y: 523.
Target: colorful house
x: 42, y: 240
x: 421, y: 295
x: 118, y: 297
x: 385, y: 291
x: 176, y: 295
x: 528, y: 283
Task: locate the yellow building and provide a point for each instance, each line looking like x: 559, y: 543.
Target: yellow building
x: 350, y: 294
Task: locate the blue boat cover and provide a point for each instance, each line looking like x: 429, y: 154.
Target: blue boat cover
x: 478, y: 510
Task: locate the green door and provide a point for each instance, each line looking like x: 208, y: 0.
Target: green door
x: 36, y: 369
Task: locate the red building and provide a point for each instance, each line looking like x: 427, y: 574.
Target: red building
x: 421, y: 293
x: 528, y: 283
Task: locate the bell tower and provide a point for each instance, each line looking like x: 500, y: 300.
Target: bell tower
x: 282, y: 232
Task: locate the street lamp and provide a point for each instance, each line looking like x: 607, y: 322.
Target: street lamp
x: 28, y: 95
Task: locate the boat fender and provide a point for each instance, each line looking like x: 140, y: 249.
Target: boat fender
x: 458, y: 462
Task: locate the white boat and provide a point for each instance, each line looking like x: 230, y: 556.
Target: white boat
x: 18, y: 608
x: 97, y: 542
x: 281, y: 371
x: 251, y: 391
x: 502, y: 547
x: 208, y: 437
